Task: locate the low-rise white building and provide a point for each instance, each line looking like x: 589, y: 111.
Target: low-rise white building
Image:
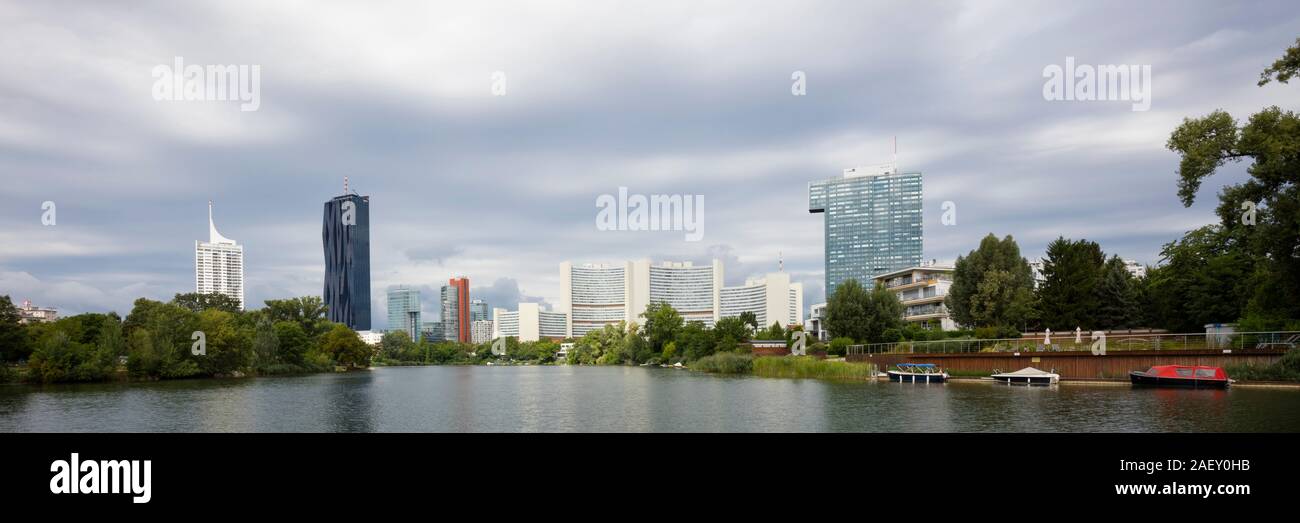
x: 371, y: 338
x: 529, y: 323
x: 480, y: 331
x: 922, y: 290
x: 816, y: 322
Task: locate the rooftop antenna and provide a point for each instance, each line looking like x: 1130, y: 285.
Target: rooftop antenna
x: 780, y: 261
x: 895, y: 154
x: 345, y: 185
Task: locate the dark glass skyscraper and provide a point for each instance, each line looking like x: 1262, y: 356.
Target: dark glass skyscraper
x: 345, y: 233
x: 873, y: 223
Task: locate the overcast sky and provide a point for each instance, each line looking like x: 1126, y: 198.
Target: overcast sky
x: 660, y: 97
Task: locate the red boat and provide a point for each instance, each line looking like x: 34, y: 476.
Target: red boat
x: 1193, y: 376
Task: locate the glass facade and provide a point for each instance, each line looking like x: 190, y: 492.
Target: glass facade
x: 404, y: 312
x: 347, y: 261
x: 872, y: 224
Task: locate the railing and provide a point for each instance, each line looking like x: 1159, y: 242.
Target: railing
x: 1067, y: 342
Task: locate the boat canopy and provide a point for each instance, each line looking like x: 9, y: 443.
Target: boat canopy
x: 1027, y: 371
x: 1200, y: 372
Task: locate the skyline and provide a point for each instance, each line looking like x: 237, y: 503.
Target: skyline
x: 502, y: 188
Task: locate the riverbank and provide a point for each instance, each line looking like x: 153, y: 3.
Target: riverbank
x: 783, y: 367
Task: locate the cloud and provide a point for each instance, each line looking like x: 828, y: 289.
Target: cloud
x: 684, y: 98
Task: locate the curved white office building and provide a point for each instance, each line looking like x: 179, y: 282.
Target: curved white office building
x: 595, y: 295
x: 692, y: 290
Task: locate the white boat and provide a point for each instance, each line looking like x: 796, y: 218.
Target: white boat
x: 1028, y: 376
x: 917, y: 373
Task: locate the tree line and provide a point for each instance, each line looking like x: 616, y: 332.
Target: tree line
x: 157, y: 340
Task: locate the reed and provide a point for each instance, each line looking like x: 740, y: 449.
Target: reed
x: 724, y: 363
x: 809, y: 367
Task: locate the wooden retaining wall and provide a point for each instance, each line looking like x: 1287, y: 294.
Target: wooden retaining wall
x: 1076, y: 364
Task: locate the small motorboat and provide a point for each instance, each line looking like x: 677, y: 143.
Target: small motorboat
x: 1191, y: 376
x: 1027, y: 376
x: 918, y: 373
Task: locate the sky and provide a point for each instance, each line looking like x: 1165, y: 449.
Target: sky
x: 671, y: 98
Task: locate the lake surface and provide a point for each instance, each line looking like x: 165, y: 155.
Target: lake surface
x: 627, y: 399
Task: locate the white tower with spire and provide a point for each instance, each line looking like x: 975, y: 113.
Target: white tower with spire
x: 219, y: 264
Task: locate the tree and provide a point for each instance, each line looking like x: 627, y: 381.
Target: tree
x: 228, y: 347
x: 292, y: 342
x: 13, y: 339
x: 751, y: 319
x: 199, y: 302
x: 1265, y: 209
x: 1116, y: 297
x: 307, y: 311
x: 887, y: 315
x: 1071, y: 272
x: 662, y: 323
x: 733, y: 327
x: 992, y: 286
x: 1206, y: 277
x: 695, y: 341
x: 1001, y: 301
x: 774, y: 332
x: 847, y: 311
x: 863, y: 316
x: 346, y: 348
x: 397, y: 346
x: 266, y: 345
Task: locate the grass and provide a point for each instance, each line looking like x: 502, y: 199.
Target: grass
x: 725, y: 363
x: 809, y: 367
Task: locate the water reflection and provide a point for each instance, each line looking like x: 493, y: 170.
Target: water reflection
x: 627, y: 399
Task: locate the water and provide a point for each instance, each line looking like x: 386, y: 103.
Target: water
x: 590, y: 399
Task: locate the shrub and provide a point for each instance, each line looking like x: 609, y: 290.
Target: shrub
x: 724, y: 363
x: 840, y: 346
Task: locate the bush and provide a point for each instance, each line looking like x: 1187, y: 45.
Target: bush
x: 724, y: 363
x: 1286, y: 369
x: 840, y: 346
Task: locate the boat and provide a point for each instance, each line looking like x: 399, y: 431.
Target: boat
x: 1027, y: 376
x: 1191, y: 376
x: 918, y: 373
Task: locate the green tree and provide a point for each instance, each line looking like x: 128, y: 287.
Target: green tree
x: 398, y: 346
x: 1271, y: 140
x: 345, y: 348
x: 292, y: 341
x: 1117, y: 306
x: 307, y: 311
x: 695, y: 341
x: 733, y: 327
x: 1071, y: 273
x: 751, y: 319
x: 864, y: 316
x: 266, y: 345
x: 13, y: 339
x: 199, y: 302
x: 1206, y: 277
x: 662, y: 324
x: 991, y: 286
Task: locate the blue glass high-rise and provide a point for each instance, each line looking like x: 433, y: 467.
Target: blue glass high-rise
x: 872, y: 223
x: 347, y: 260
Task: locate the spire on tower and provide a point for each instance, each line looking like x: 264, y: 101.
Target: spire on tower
x: 213, y: 235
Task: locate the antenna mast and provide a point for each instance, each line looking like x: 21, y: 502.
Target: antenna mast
x: 895, y: 154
